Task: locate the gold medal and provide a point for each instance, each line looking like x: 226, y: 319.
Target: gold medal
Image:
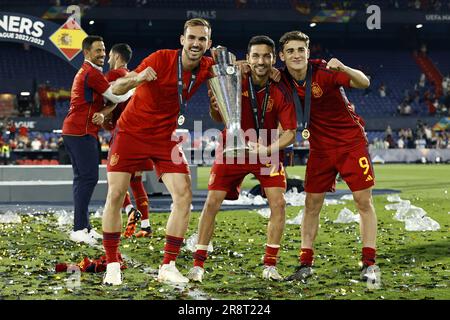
x: 305, y: 134
x: 181, y: 120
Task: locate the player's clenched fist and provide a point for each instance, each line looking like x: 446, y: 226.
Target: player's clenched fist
x: 148, y: 74
x: 335, y: 64
x: 98, y: 118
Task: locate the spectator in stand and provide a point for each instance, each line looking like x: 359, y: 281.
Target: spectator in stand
x: 36, y: 144
x: 422, y: 80
x: 428, y: 134
x: 400, y: 143
x: 445, y: 84
x: 382, y: 90
x: 23, y: 134
x: 390, y: 143
x: 401, y: 107
x: 407, y: 110
x: 12, y: 129
x: 378, y: 144
x: 433, y: 106
x: 445, y: 140
x: 404, y: 108
x: 4, y: 152
x: 447, y: 100
x: 52, y: 144
x: 410, y: 143
x: 420, y: 142
x: 442, y: 110
x: 388, y: 131
x: 21, y: 145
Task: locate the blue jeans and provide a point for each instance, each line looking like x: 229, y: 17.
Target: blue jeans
x: 84, y: 154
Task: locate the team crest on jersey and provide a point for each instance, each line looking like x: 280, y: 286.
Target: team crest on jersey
x: 114, y: 160
x: 269, y: 105
x: 316, y: 90
x: 212, y: 177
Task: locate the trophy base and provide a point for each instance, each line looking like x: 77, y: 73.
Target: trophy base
x: 236, y: 152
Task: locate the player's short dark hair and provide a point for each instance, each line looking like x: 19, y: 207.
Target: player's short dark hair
x: 197, y: 22
x: 124, y: 50
x: 293, y: 35
x: 89, y: 40
x: 261, y: 40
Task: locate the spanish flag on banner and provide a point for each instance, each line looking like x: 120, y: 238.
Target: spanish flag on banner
x: 68, y: 38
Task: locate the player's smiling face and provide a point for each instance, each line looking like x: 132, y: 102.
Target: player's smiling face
x: 261, y: 59
x: 195, y: 42
x: 97, y: 53
x: 295, y: 55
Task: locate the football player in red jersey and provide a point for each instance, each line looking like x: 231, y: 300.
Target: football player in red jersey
x: 338, y: 143
x: 164, y: 81
x: 119, y: 56
x: 80, y: 129
x: 264, y: 107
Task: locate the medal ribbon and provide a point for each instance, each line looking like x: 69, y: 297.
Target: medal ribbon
x: 183, y: 103
x: 303, y: 117
x: 258, y: 124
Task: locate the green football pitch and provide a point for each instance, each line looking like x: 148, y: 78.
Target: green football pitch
x: 414, y: 265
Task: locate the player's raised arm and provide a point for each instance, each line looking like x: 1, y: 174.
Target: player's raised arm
x: 358, y: 79
x: 132, y: 80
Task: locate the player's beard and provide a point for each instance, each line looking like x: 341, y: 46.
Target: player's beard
x: 99, y: 61
x: 191, y: 56
x: 260, y: 74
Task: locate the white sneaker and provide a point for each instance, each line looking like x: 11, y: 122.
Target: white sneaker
x: 94, y: 234
x: 82, y: 236
x: 196, y: 274
x: 271, y: 273
x: 170, y: 273
x: 113, y: 275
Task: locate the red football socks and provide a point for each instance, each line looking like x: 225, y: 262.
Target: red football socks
x: 270, y: 258
x: 111, y: 242
x: 368, y: 256
x: 306, y: 256
x: 171, y: 248
x: 200, y: 257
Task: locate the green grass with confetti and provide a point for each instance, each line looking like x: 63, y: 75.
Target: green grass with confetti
x: 414, y: 265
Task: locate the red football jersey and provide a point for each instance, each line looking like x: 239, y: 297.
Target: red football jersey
x: 280, y: 109
x: 333, y: 124
x: 111, y: 76
x: 115, y: 74
x: 85, y: 99
x: 153, y: 109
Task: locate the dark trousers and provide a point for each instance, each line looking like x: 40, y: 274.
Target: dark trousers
x: 83, y: 152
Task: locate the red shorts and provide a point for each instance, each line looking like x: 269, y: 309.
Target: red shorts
x: 146, y: 166
x: 229, y: 177
x: 130, y: 153
x: 354, y: 166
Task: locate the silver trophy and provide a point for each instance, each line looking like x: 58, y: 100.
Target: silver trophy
x: 226, y: 88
